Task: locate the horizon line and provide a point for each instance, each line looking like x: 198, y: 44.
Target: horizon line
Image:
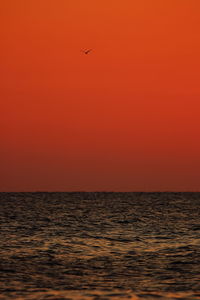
x: 103, y: 191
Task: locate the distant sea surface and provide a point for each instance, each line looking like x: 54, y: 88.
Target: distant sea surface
x: 99, y: 246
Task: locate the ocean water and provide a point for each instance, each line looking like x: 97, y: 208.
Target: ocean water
x: 100, y: 246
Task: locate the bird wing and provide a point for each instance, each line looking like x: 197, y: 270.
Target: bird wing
x: 86, y: 51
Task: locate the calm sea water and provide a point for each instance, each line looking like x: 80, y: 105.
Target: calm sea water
x: 100, y: 246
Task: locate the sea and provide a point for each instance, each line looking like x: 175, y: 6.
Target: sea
x: 100, y: 245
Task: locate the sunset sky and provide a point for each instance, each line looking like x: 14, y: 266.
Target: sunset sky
x: 125, y: 117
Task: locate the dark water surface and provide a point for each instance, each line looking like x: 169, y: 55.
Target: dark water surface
x: 100, y: 246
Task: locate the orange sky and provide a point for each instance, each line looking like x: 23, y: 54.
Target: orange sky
x: 126, y: 117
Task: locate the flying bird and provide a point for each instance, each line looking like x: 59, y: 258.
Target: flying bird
x: 86, y: 51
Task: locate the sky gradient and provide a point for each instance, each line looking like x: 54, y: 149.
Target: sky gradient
x: 125, y: 117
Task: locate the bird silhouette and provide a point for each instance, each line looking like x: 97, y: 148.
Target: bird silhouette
x: 86, y: 51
